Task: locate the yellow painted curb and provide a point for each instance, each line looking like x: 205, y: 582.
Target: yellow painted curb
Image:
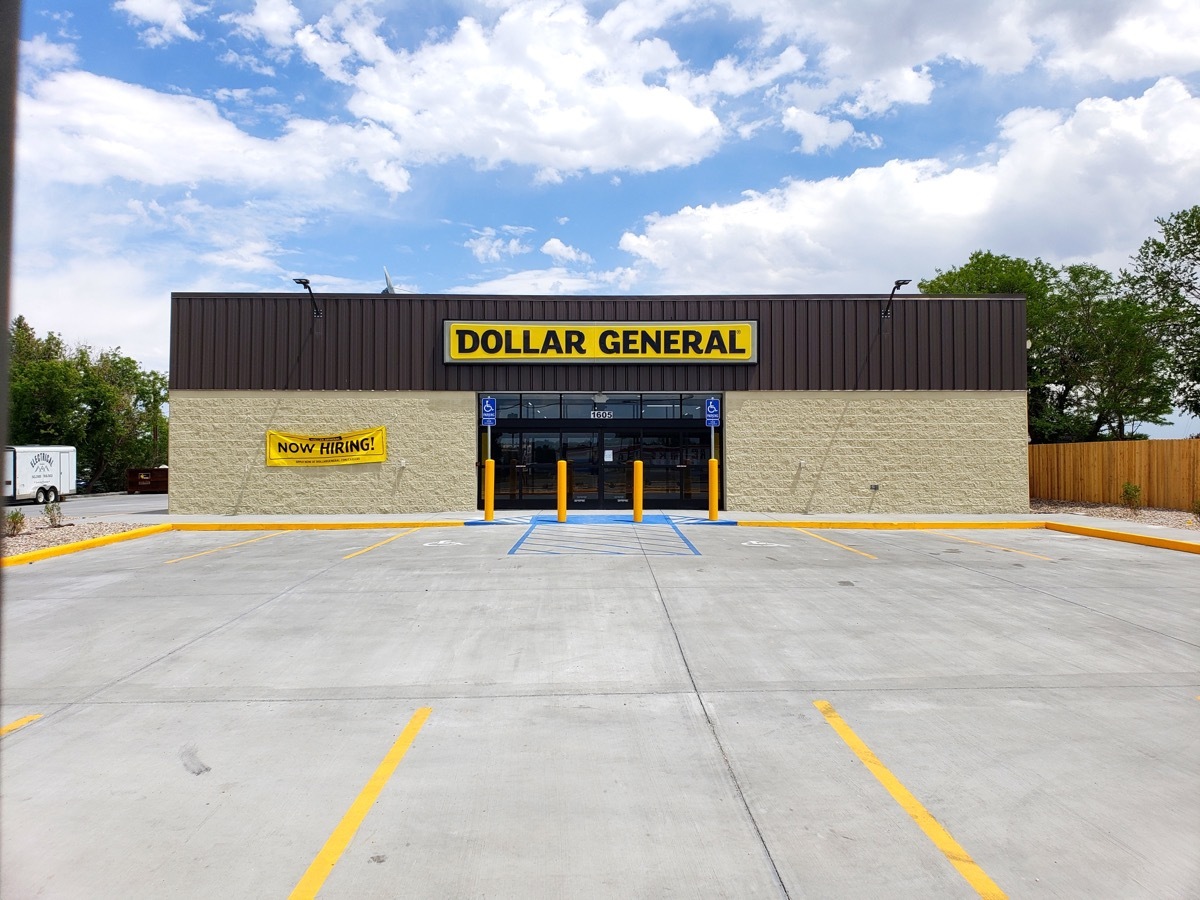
x: 1129, y: 538
x: 64, y: 549
x: 892, y: 526
x: 306, y: 526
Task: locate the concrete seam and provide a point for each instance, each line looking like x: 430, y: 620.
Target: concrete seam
x: 712, y: 730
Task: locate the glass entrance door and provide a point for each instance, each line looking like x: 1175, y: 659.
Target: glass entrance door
x: 676, y: 469
x: 599, y: 439
x: 581, y: 450
x: 600, y: 468
x: 621, y: 448
x: 526, y: 473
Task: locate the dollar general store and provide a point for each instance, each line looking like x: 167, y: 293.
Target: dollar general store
x: 372, y: 403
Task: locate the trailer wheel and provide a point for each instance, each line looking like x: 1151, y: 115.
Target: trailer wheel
x: 40, y: 496
x: 51, y: 495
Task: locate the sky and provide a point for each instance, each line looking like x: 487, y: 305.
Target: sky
x: 558, y: 147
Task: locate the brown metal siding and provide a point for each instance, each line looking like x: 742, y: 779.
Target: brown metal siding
x: 393, y: 342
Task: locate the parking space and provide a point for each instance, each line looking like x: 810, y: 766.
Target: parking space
x: 604, y: 723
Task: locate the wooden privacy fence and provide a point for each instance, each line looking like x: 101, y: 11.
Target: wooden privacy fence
x: 1168, y: 472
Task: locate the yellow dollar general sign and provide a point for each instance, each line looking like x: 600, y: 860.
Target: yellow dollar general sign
x: 345, y: 449
x: 591, y: 342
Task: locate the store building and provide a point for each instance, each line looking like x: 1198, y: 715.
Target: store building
x: 353, y: 403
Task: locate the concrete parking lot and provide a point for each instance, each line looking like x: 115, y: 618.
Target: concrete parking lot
x: 603, y: 710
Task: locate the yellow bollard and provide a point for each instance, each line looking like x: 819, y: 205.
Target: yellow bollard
x: 562, y: 490
x: 489, y: 490
x: 637, y: 490
x: 714, y: 486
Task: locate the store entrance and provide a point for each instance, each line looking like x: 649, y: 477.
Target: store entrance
x: 600, y: 465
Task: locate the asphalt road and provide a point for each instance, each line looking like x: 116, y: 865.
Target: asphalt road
x: 117, y: 507
x: 602, y: 711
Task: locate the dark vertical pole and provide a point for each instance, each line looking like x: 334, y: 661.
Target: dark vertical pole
x: 10, y: 30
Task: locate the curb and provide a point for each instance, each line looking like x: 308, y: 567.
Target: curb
x: 1145, y: 540
x: 306, y: 526
x: 63, y: 549
x: 893, y: 526
x: 134, y: 534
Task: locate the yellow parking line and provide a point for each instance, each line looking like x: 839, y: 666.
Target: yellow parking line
x: 985, y: 544
x: 380, y: 544
x: 20, y: 723
x: 226, y: 547
x: 953, y: 851
x: 310, y: 883
x: 835, y: 543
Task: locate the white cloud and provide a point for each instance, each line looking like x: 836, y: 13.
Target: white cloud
x: 275, y: 21
x: 52, y: 297
x: 868, y: 57
x: 248, y: 62
x: 731, y: 78
x: 563, y: 253
x: 166, y: 19
x: 489, y: 246
x: 545, y: 85
x: 532, y: 281
x: 318, y: 47
x: 80, y: 128
x: 42, y: 55
x: 900, y: 86
x: 816, y: 131
x: 1083, y: 185
x: 556, y: 281
x: 1125, y: 40
x: 862, y: 40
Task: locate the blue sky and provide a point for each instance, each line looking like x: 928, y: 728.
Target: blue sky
x: 534, y: 146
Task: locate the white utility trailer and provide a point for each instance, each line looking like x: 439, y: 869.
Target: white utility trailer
x: 43, y: 474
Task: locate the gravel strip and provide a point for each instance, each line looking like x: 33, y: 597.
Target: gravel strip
x: 1168, y: 518
x: 38, y: 534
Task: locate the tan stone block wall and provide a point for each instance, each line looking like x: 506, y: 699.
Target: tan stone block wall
x: 801, y: 452
x: 819, y: 452
x: 218, y: 452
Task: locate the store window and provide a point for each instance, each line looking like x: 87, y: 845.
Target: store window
x: 600, y: 406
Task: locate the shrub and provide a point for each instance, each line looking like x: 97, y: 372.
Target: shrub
x: 14, y: 523
x: 54, y: 514
x: 1196, y: 509
x: 1131, y: 496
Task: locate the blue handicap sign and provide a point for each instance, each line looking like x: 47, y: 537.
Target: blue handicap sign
x: 712, y: 412
x: 487, y: 413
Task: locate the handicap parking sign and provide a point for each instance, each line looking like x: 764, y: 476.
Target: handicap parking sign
x: 487, y: 412
x: 712, y: 412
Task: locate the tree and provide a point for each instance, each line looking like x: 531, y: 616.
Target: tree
x: 1167, y: 272
x: 104, y: 404
x: 1096, y: 365
x: 1121, y: 363
x: 44, y: 386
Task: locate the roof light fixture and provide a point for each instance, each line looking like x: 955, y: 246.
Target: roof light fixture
x: 885, y: 326
x: 317, y: 312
